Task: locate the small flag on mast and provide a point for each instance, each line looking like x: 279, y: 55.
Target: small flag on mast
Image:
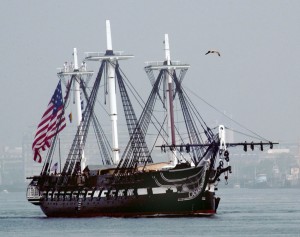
x: 70, y: 117
x: 54, y: 167
x: 82, y: 104
x: 53, y: 121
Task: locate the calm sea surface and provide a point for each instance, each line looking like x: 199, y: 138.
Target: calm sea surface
x: 242, y: 212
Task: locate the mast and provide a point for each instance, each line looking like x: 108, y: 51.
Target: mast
x: 78, y: 104
x: 79, y: 73
x: 170, y: 110
x: 111, y: 57
x: 77, y: 91
x: 168, y: 74
x: 112, y: 96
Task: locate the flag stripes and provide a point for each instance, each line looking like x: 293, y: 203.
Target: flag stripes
x: 52, y: 122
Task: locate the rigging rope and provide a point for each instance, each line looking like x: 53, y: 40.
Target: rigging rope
x: 225, y: 114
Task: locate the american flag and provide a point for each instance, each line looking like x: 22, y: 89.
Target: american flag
x: 53, y: 121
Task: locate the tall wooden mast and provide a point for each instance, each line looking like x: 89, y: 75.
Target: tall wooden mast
x: 111, y: 57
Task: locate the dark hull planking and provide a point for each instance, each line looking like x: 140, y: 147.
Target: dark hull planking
x: 160, y: 193
x: 136, y: 206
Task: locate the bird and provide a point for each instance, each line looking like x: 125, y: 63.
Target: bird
x: 213, y: 51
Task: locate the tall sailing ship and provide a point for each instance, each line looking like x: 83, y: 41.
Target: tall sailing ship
x: 131, y: 183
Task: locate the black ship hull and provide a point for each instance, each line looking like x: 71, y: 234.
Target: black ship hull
x: 181, y: 192
x: 137, y: 206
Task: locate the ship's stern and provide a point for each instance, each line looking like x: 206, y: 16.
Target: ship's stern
x: 33, y: 193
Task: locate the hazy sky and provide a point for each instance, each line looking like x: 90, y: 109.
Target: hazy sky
x: 256, y: 80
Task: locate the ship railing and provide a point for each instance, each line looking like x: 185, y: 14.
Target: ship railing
x: 69, y: 68
x: 160, y: 63
x: 113, y: 55
x: 99, y: 54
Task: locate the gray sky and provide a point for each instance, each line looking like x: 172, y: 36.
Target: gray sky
x: 256, y: 79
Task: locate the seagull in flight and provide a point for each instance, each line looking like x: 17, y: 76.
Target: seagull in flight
x: 213, y: 51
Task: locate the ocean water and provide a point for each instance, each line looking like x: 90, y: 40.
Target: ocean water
x: 242, y: 212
